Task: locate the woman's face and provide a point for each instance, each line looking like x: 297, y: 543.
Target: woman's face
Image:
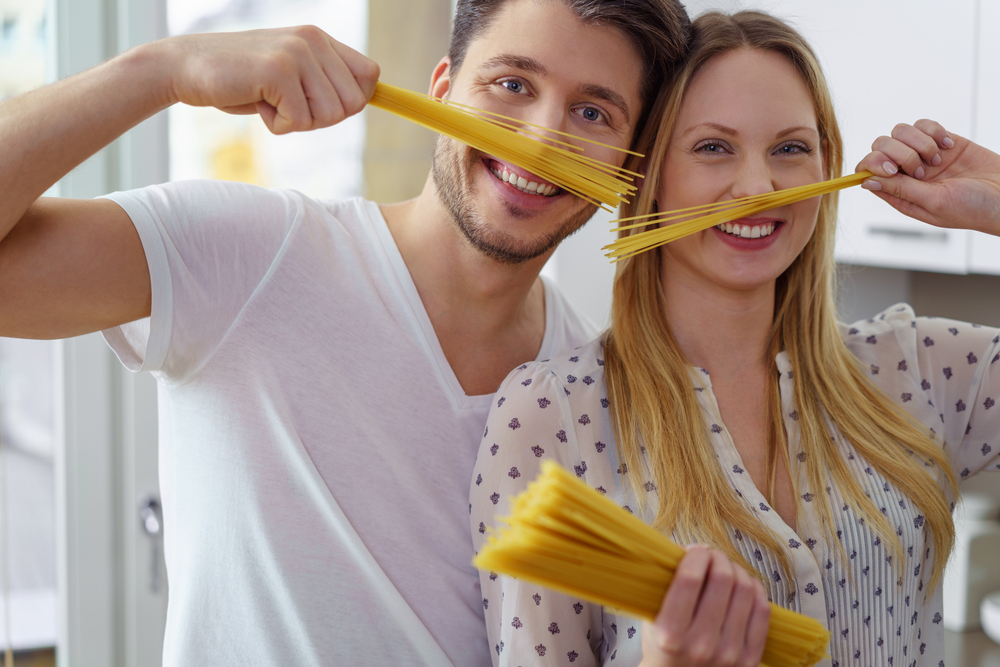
x: 746, y: 126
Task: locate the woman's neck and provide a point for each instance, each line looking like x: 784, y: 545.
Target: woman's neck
x: 724, y: 331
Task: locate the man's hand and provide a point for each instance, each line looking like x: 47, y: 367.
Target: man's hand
x: 935, y: 176
x: 296, y: 78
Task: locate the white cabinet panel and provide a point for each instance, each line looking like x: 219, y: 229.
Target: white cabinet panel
x: 984, y: 250
x: 889, y: 62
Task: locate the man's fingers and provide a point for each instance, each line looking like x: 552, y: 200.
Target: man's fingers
x: 365, y: 71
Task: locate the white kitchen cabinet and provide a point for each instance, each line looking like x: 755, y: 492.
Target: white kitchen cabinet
x: 984, y: 250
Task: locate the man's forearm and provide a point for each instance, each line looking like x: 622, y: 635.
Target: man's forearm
x: 47, y: 132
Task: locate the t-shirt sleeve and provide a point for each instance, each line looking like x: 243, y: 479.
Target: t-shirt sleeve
x: 208, y: 245
x: 960, y: 370
x: 527, y: 624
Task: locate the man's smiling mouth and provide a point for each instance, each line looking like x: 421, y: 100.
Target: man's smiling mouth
x: 531, y: 186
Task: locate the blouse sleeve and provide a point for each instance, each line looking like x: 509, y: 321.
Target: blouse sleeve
x: 959, y: 370
x: 530, y: 422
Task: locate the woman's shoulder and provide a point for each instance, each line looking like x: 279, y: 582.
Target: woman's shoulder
x: 582, y: 365
x: 899, y: 329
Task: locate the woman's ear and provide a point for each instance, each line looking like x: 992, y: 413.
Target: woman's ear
x: 441, y: 78
x: 823, y: 148
x: 642, y: 168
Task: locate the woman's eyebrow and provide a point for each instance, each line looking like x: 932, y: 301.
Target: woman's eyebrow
x: 797, y: 128
x: 712, y: 126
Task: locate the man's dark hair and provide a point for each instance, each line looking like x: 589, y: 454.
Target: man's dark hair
x: 660, y: 30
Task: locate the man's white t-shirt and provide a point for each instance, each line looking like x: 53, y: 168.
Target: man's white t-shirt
x: 315, y: 445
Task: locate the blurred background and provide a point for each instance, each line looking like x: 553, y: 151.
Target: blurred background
x: 80, y: 537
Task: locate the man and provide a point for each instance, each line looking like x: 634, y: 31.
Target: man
x: 325, y: 367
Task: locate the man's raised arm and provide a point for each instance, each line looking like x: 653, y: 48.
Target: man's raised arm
x: 69, y: 267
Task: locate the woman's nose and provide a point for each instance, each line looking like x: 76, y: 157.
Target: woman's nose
x: 753, y: 178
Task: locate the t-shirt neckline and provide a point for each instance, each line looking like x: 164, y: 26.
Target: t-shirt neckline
x: 433, y: 345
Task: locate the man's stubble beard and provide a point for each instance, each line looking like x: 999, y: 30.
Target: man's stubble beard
x: 451, y: 170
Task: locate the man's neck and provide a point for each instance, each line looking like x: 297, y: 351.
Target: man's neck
x: 489, y: 317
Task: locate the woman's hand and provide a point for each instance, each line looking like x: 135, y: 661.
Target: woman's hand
x: 714, y: 614
x: 295, y: 78
x: 940, y: 178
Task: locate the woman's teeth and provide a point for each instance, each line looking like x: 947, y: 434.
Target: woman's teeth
x: 747, y: 231
x: 523, y: 184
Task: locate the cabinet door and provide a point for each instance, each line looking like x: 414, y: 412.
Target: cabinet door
x: 984, y: 250
x: 891, y: 62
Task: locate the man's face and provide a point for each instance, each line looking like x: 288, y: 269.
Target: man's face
x: 540, y: 64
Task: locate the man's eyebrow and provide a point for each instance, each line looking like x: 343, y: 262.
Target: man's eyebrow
x: 609, y: 96
x: 520, y: 62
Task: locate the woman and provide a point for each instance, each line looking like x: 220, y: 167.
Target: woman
x: 727, y: 407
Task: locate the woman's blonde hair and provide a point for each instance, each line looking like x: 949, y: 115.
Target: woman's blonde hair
x: 650, y: 382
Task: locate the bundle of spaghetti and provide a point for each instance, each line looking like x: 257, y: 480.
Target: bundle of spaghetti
x: 566, y: 536
x: 559, y: 162
x: 708, y: 215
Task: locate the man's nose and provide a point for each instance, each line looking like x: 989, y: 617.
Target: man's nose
x: 547, y: 114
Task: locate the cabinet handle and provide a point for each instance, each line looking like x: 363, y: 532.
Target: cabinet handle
x: 910, y: 234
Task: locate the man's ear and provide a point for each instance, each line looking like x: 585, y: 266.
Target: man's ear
x: 441, y: 78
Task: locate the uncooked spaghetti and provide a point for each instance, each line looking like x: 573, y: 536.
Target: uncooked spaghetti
x: 559, y: 162
x: 708, y: 215
x: 564, y: 535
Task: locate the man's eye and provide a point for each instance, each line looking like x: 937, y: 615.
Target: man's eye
x: 513, y: 86
x: 591, y: 114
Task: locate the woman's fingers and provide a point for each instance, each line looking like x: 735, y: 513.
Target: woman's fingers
x: 734, y: 637
x: 715, y: 613
x: 682, y: 599
x: 757, y: 627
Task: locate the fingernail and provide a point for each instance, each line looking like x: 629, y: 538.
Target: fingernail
x: 889, y: 167
x: 936, y: 160
x: 948, y: 143
x: 871, y: 185
x: 919, y: 173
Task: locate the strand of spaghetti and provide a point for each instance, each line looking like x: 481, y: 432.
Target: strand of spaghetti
x: 628, y: 246
x: 519, y: 123
x: 564, y: 535
x: 559, y: 166
x: 837, y: 183
x: 692, y: 209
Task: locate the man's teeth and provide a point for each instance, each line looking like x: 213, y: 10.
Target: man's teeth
x: 523, y: 184
x: 747, y: 231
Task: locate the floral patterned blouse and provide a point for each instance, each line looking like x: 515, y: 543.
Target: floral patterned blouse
x: 942, y: 371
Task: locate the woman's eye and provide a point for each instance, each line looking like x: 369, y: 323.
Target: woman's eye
x: 513, y: 86
x: 793, y: 149
x: 711, y: 147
